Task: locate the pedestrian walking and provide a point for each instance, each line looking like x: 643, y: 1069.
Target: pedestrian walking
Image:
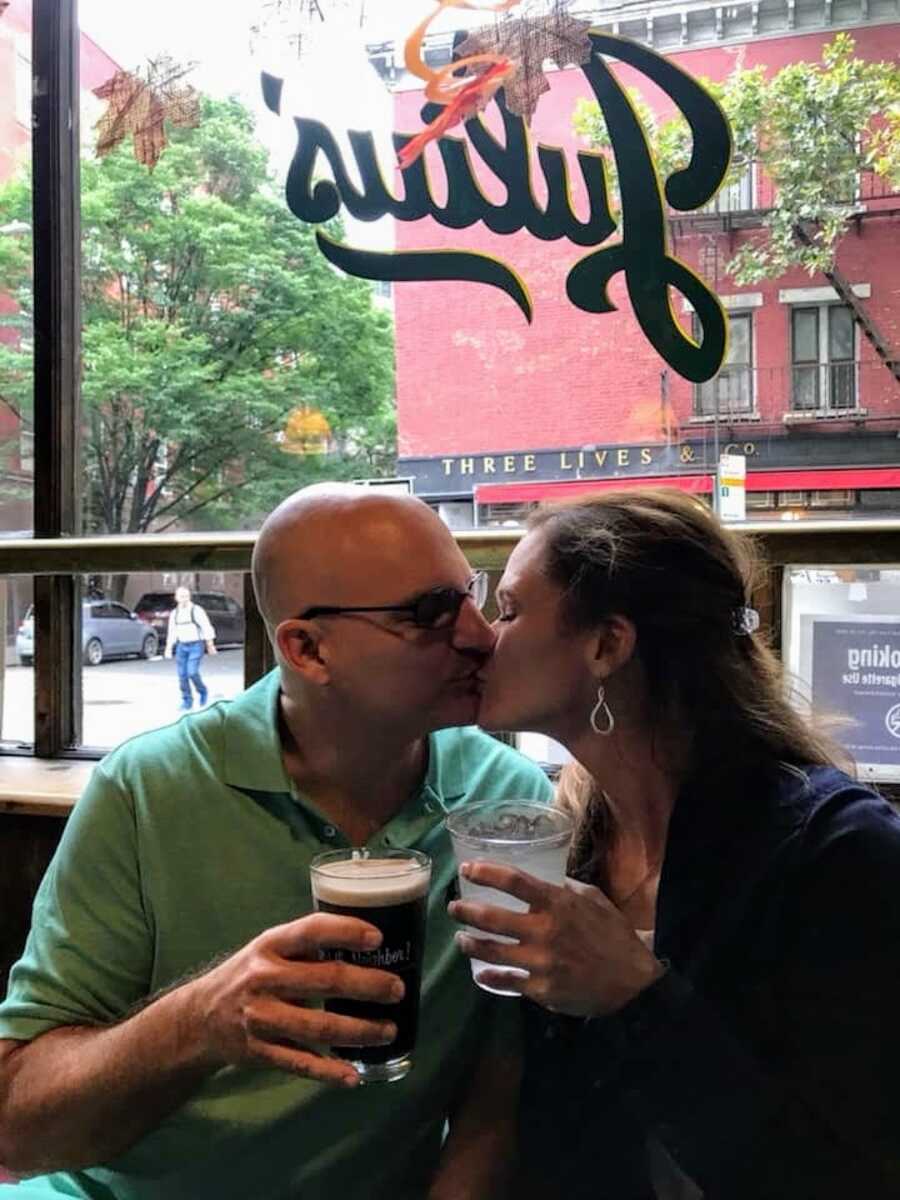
x: 189, y: 631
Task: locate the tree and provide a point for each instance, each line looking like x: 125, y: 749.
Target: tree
x: 814, y: 128
x: 209, y: 315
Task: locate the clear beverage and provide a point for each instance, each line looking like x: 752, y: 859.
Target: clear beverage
x: 511, y: 833
x: 388, y: 889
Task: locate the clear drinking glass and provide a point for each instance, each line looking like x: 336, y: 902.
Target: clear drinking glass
x: 388, y: 889
x: 513, y: 833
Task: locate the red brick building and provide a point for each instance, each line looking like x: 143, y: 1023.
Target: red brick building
x: 494, y: 413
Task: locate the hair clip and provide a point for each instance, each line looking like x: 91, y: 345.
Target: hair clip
x: 744, y: 621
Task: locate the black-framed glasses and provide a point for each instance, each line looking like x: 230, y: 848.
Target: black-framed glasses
x: 437, y: 609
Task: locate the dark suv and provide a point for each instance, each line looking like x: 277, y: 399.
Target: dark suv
x: 226, y: 615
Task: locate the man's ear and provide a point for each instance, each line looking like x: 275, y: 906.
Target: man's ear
x: 300, y: 645
x: 611, y: 646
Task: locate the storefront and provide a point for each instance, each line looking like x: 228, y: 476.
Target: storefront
x: 787, y: 477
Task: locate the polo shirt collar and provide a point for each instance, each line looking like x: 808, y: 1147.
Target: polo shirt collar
x: 254, y: 764
x: 253, y: 761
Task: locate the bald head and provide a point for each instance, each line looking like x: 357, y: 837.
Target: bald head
x: 339, y: 544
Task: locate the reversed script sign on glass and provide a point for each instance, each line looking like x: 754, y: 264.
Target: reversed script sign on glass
x: 641, y: 250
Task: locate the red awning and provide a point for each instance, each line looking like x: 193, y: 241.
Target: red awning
x: 823, y: 479
x: 558, y: 489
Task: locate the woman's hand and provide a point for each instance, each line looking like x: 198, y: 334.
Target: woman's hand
x: 582, y: 957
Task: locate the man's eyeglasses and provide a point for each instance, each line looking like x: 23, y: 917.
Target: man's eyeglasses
x: 437, y: 609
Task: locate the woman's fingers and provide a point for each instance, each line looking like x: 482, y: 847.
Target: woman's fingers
x: 490, y: 918
x: 505, y: 954
x: 520, y: 884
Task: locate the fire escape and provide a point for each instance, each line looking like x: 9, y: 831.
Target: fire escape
x: 735, y: 210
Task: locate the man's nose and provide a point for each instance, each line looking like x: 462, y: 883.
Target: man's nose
x: 471, y: 631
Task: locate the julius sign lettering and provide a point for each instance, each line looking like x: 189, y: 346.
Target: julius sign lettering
x: 640, y: 251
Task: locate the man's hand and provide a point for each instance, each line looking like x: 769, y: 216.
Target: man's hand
x: 262, y: 1005
x: 167, y: 653
x: 582, y: 956
x: 80, y: 1095
x: 211, y: 648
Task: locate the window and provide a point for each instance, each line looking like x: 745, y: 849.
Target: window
x: 225, y: 392
x: 731, y: 392
x: 823, y: 358
x: 836, y: 498
x: 16, y: 288
x: 793, y: 499
x: 760, y: 500
x: 737, y: 196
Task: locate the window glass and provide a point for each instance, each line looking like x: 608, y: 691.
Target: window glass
x: 128, y: 684
x: 806, y: 335
x: 226, y: 362
x: 732, y: 389
x: 17, y: 666
x: 840, y: 333
x: 16, y: 290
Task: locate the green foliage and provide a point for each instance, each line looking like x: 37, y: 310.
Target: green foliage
x: 209, y: 315
x: 813, y: 128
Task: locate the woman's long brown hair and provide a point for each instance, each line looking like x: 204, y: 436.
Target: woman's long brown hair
x: 660, y: 558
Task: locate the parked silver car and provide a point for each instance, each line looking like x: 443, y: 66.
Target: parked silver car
x: 108, y: 630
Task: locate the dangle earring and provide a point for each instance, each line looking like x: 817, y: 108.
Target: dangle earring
x: 602, y: 709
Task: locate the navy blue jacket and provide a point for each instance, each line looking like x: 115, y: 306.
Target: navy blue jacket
x: 766, y: 1062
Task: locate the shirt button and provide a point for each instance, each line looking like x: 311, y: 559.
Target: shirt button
x: 329, y: 831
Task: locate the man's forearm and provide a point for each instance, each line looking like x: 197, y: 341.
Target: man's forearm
x: 78, y: 1096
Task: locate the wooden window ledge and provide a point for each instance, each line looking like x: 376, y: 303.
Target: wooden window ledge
x: 41, y: 787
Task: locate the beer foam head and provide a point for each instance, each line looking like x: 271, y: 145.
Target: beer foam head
x: 371, y: 882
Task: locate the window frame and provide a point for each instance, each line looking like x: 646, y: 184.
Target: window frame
x: 824, y: 366
x: 57, y: 557
x: 717, y: 413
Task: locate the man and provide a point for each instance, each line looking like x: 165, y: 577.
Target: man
x: 164, y: 1027
x: 189, y: 630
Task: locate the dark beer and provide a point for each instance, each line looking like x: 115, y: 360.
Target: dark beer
x: 390, y: 892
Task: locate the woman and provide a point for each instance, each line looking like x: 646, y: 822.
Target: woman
x: 715, y: 1000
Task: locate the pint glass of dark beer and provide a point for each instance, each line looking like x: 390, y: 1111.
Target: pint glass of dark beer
x: 389, y: 889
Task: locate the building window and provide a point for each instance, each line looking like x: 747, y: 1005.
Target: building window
x: 736, y: 196
x: 793, y: 500
x: 759, y: 501
x: 504, y: 516
x: 731, y: 392
x: 823, y: 358
x: 833, y: 498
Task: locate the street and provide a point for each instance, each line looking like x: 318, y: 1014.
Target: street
x: 121, y: 698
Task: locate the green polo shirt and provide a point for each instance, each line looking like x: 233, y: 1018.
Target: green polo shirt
x: 187, y: 843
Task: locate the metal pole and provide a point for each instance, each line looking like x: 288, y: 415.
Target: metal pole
x: 716, y: 505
